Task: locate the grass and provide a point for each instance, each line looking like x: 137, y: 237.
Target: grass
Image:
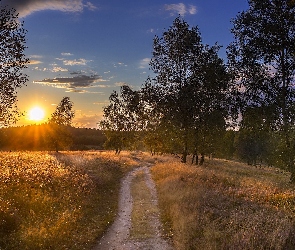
x: 67, y: 200
x: 60, y: 201
x: 143, y: 208
x: 226, y: 205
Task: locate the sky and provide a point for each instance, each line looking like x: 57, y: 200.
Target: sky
x: 85, y: 49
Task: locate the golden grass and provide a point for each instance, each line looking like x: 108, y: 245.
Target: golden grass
x: 143, y: 208
x: 226, y: 205
x: 60, y: 201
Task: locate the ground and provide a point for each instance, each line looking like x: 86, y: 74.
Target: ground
x: 137, y: 225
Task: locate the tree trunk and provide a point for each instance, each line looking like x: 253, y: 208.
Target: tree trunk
x: 202, y: 159
x: 185, y: 151
x: 184, y: 155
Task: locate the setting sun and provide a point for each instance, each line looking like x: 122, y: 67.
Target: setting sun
x: 36, y: 114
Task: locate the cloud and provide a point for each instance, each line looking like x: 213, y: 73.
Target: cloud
x: 59, y: 69
x: 87, y: 120
x: 180, y: 9
x: 144, y: 63
x: 66, y: 54
x: 35, y: 62
x: 72, y: 84
x: 80, y: 61
x: 27, y: 7
x: 119, y: 84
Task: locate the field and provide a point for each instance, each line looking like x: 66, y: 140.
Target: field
x: 59, y: 201
x: 226, y: 205
x: 67, y: 200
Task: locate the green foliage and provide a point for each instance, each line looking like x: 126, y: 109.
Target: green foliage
x: 122, y: 119
x: 189, y: 90
x: 13, y: 61
x: 262, y: 61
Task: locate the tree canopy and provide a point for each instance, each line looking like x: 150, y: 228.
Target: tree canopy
x: 12, y: 62
x: 189, y: 90
x: 63, y: 113
x: 262, y: 60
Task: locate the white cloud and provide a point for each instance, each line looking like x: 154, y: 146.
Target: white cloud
x: 144, y: 63
x: 59, y: 69
x: 27, y: 7
x: 180, y: 9
x: 90, y: 6
x: 80, y: 61
x: 192, y: 10
x: 66, y: 54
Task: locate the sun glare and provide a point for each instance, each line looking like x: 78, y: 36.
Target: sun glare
x: 36, y: 114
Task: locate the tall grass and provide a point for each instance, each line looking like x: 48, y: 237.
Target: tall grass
x: 61, y: 201
x: 226, y: 205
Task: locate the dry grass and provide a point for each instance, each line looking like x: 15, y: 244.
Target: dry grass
x: 143, y: 208
x: 60, y: 201
x: 226, y: 205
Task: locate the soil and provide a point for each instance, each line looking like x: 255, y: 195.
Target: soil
x: 118, y: 235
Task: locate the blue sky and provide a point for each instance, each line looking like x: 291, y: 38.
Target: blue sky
x: 85, y: 49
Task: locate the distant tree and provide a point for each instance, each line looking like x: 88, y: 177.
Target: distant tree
x: 59, y: 136
x: 262, y: 59
x: 122, y: 119
x: 12, y: 62
x: 63, y: 114
x: 189, y: 87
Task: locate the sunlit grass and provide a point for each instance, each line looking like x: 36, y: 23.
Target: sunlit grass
x: 60, y: 201
x: 143, y: 208
x: 226, y: 205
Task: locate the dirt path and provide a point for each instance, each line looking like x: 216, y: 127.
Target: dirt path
x: 118, y: 236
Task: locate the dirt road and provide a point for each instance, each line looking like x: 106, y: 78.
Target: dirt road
x: 119, y: 236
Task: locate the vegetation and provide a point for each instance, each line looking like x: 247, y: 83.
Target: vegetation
x: 225, y: 205
x: 143, y: 208
x: 34, y: 138
x: 262, y: 61
x: 195, y: 98
x: 183, y: 108
x: 60, y: 201
x: 12, y: 62
x: 58, y: 136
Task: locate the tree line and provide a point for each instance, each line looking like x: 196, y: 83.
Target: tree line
x: 195, y: 100
x: 41, y: 137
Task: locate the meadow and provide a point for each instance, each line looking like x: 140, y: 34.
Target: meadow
x: 58, y: 201
x: 226, y: 205
x: 67, y: 200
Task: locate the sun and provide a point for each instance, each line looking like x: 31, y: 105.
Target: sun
x: 36, y: 114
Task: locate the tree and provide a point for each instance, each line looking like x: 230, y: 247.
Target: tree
x: 13, y: 61
x: 263, y: 62
x: 58, y: 136
x: 122, y: 119
x: 190, y: 84
x: 63, y: 113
